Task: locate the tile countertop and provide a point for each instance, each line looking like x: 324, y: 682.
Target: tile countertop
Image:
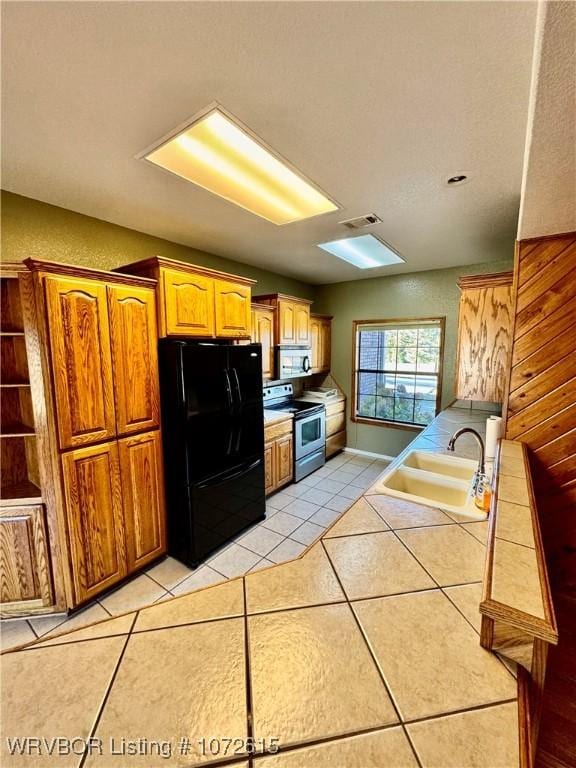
x: 361, y: 653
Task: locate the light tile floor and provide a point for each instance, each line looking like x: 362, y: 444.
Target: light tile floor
x: 295, y: 517
x: 351, y: 655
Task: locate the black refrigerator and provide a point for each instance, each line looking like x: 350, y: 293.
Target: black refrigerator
x: 213, y: 433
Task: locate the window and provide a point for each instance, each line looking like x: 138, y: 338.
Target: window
x: 398, y: 370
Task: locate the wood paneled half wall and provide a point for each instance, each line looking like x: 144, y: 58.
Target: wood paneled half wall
x: 541, y: 409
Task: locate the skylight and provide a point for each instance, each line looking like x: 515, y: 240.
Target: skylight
x: 222, y: 157
x: 364, y: 251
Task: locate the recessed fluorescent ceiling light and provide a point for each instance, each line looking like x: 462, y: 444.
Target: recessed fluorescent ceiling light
x: 365, y: 251
x: 219, y: 155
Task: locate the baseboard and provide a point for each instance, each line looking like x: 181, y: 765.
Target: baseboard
x: 371, y: 455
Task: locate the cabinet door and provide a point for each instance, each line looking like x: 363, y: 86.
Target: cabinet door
x: 95, y: 518
x: 188, y: 303
x: 81, y: 360
x: 143, y: 497
x: 484, y: 343
x: 232, y: 302
x: 325, y: 346
x: 134, y: 357
x: 25, y: 580
x: 284, y: 459
x: 286, y: 322
x: 269, y: 478
x: 315, y: 345
x: 302, y: 321
x: 263, y: 333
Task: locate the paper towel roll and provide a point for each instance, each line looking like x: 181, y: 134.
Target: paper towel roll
x: 493, y: 430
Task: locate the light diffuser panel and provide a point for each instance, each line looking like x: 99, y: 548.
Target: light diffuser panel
x: 218, y: 155
x: 364, y: 251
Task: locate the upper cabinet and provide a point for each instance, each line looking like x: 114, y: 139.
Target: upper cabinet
x: 79, y: 333
x: 195, y: 301
x: 484, y: 336
x: 320, y: 342
x: 134, y: 339
x: 292, y: 320
x: 263, y: 333
x: 187, y: 304
x: 232, y: 306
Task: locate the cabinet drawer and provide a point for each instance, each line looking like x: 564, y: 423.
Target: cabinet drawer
x: 332, y: 408
x: 335, y: 443
x: 335, y: 423
x: 188, y: 303
x: 24, y: 561
x: 277, y: 430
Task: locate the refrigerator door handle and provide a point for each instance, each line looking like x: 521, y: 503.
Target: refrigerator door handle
x: 232, y: 475
x: 228, y: 387
x: 237, y: 386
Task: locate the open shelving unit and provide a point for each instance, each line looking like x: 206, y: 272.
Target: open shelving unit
x: 19, y: 478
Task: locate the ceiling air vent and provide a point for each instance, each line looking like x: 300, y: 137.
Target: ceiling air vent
x: 362, y: 221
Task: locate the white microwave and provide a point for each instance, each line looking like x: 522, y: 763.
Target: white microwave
x: 291, y: 363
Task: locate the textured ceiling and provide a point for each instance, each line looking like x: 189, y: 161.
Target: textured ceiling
x: 549, y: 183
x: 377, y: 102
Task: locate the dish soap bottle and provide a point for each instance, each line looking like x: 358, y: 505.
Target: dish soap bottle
x: 483, y: 493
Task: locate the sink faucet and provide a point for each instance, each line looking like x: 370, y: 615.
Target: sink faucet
x: 463, y: 431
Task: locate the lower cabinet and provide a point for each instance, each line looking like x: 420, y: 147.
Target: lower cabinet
x: 143, y: 495
x: 25, y: 580
x: 335, y: 427
x: 278, y: 455
x: 115, y: 511
x: 94, y: 515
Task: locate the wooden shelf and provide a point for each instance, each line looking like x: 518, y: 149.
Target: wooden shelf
x: 10, y: 332
x: 20, y: 494
x: 14, y: 385
x: 16, y: 430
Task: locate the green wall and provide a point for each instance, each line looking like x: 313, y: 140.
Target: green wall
x: 419, y: 294
x: 33, y: 228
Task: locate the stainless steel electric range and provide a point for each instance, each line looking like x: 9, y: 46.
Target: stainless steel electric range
x: 309, y: 427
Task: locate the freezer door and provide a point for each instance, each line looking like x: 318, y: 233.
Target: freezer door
x: 218, y: 509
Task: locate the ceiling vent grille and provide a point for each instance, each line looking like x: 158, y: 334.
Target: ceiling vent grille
x: 362, y: 221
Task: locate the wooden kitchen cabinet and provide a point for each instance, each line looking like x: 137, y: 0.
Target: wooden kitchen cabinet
x: 278, y: 454
x: 263, y: 333
x: 320, y: 342
x: 484, y: 336
x: 196, y: 301
x: 143, y: 498
x: 292, y: 320
x: 79, y: 335
x: 188, y: 304
x: 335, y: 427
x: 232, y: 307
x: 92, y: 348
x: 94, y: 515
x: 134, y: 340
x: 26, y: 581
x: 284, y: 458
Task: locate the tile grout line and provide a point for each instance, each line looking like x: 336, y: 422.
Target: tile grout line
x: 108, y: 690
x: 247, y: 667
x: 374, y: 661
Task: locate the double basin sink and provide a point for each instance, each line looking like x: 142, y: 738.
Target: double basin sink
x: 434, y: 480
